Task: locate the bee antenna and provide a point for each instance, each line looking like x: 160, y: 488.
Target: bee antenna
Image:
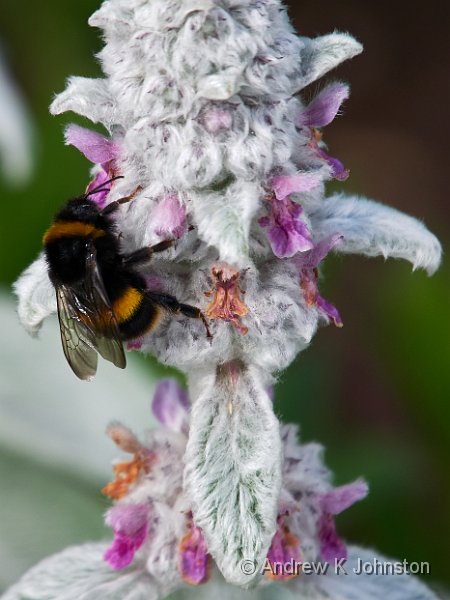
x: 100, y: 188
x: 97, y: 191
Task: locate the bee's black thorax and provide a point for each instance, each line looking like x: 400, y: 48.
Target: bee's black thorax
x: 77, y: 227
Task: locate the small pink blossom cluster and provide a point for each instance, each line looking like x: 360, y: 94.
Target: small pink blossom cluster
x: 307, y: 508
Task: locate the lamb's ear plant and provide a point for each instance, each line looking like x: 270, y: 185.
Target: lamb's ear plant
x: 202, y: 108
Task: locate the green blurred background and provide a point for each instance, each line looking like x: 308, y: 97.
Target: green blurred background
x: 376, y: 393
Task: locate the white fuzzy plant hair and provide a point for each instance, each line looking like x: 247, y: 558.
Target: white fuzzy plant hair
x: 205, y: 125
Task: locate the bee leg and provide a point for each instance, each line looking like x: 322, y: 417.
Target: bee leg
x: 144, y: 255
x: 113, y: 206
x: 195, y: 313
x: 171, y: 304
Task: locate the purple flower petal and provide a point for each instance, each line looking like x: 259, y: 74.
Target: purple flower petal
x: 123, y: 549
x: 127, y: 518
x: 121, y: 552
x: 306, y: 263
x: 308, y: 284
x: 325, y: 106
x: 171, y: 405
x: 312, y: 258
x: 98, y: 150
x: 338, y: 170
x: 194, y: 558
x: 130, y: 524
x: 334, y: 502
x: 287, y: 241
x: 94, y: 146
x: 331, y: 546
x: 135, y: 344
x: 99, y: 180
x: 284, y: 185
x: 343, y: 497
x: 169, y: 218
x: 287, y: 233
x: 329, y: 310
x: 284, y: 550
x: 320, y: 112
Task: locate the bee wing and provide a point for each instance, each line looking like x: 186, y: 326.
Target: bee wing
x: 88, y: 324
x: 76, y: 344
x: 100, y: 315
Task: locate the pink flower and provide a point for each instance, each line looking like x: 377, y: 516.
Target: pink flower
x: 284, y: 550
x: 227, y: 304
x: 195, y: 562
x: 287, y: 233
x: 98, y: 150
x: 171, y: 405
x: 307, y: 264
x: 285, y: 185
x: 134, y: 344
x: 334, y: 502
x: 320, y: 112
x: 169, y: 218
x: 130, y: 524
x: 325, y: 106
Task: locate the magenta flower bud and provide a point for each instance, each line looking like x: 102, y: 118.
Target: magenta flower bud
x: 129, y: 522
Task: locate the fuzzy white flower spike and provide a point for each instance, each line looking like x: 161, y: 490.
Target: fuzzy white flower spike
x: 227, y: 168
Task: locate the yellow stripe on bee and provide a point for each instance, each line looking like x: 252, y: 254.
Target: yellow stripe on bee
x: 62, y: 229
x: 125, y: 306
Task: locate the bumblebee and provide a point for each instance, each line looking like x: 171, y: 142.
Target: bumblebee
x: 102, y: 299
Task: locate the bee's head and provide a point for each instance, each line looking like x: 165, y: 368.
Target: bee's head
x: 80, y: 209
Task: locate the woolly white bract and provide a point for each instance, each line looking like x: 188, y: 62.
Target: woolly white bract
x: 237, y: 484
x: 199, y: 99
